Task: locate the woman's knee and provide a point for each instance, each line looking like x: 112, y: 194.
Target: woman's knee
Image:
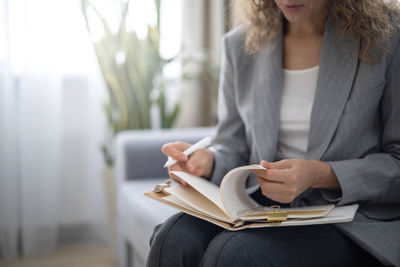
x: 181, y: 240
x: 224, y: 250
x: 236, y: 249
x: 168, y: 237
x: 161, y: 229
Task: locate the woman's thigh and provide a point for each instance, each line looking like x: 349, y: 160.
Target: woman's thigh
x: 181, y: 241
x: 316, y: 245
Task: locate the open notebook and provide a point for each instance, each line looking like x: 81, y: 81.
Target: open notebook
x: 230, y: 206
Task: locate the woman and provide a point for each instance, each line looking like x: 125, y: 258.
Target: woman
x: 311, y: 89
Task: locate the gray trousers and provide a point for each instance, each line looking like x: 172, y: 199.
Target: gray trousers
x: 184, y: 240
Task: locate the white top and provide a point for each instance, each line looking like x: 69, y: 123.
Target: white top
x: 297, y: 100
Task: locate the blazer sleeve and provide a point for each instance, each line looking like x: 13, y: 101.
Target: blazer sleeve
x: 376, y: 177
x: 229, y: 147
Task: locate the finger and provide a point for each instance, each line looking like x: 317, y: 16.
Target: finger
x: 181, y: 145
x: 282, y: 164
x: 174, y: 151
x: 183, y: 166
x: 193, y: 163
x: 277, y: 175
x: 265, y: 164
x: 175, y: 167
x: 274, y: 188
x: 197, y: 162
x: 261, y: 181
x: 174, y: 177
x: 260, y: 173
x: 177, y: 179
x: 279, y: 196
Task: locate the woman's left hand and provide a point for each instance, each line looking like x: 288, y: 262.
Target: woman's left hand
x: 284, y: 180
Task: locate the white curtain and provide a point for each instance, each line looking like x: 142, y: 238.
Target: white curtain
x: 51, y: 127
x: 8, y: 149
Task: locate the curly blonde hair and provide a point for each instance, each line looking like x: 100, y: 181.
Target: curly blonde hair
x: 371, y: 20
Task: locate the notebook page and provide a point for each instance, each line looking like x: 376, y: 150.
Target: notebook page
x: 233, y: 190
x: 203, y: 186
x: 213, y: 212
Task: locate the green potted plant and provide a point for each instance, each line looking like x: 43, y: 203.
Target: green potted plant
x: 132, y: 69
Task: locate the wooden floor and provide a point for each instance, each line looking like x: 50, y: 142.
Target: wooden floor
x: 73, y: 256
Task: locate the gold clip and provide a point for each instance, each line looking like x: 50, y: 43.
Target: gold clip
x: 160, y: 187
x: 277, y: 216
x: 237, y: 223
x: 275, y: 208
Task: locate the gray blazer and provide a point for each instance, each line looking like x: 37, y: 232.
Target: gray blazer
x: 355, y: 127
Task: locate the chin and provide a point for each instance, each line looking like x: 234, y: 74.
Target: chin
x: 295, y: 18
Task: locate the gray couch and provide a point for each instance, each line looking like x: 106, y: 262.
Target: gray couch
x: 138, y: 168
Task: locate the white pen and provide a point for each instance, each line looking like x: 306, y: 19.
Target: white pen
x: 203, y: 143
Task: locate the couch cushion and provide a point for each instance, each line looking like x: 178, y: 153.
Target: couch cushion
x: 136, y: 148
x: 138, y: 215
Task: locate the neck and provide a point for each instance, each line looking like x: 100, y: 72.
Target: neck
x: 314, y: 26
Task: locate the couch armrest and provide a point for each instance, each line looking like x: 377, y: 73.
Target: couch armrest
x: 138, y: 152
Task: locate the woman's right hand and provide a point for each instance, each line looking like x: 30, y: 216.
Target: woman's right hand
x: 199, y: 163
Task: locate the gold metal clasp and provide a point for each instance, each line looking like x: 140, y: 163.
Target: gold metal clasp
x: 237, y: 223
x: 160, y: 187
x: 276, y: 215
x: 275, y: 208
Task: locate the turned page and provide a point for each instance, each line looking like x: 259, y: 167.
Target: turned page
x: 233, y: 191
x: 232, y: 196
x: 195, y: 201
x: 203, y: 186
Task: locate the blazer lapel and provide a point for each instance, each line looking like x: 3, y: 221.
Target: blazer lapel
x: 266, y: 97
x: 338, y: 65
